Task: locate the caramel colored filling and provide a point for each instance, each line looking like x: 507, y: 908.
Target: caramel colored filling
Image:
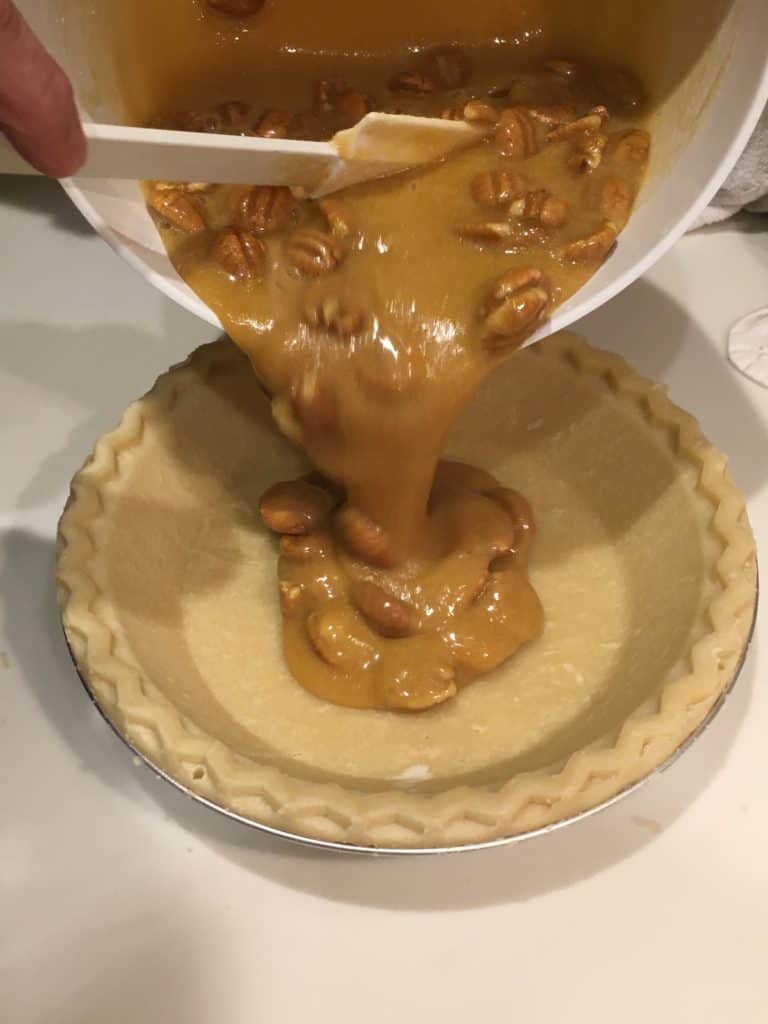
x: 364, y: 630
x: 371, y: 318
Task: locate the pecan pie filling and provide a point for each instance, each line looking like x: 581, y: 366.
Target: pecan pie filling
x: 372, y: 316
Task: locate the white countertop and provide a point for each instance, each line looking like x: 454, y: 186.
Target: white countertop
x: 122, y: 901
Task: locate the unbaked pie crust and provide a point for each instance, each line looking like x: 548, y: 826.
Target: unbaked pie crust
x: 644, y: 561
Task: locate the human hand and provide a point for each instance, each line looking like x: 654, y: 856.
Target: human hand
x: 37, y: 107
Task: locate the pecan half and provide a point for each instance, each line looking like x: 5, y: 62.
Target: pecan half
x: 295, y: 507
x: 364, y: 538
x: 633, y: 147
x: 334, y: 95
x: 593, y: 247
x: 266, y: 208
x: 304, y: 547
x: 240, y: 253
x: 514, y: 280
x: 539, y: 206
x: 616, y: 197
x: 473, y: 111
x: 518, y: 304
x: 339, y: 218
x: 384, y: 613
x: 553, y: 212
x: 487, y: 231
x: 179, y: 209
x: 312, y: 253
x: 590, y: 123
x: 417, y: 691
x: 496, y: 188
x: 515, y: 133
x: 333, y: 644
x: 479, y: 112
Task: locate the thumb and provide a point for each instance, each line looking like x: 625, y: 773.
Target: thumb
x: 37, y: 108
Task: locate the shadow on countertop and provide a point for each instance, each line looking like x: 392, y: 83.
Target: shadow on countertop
x: 44, y: 196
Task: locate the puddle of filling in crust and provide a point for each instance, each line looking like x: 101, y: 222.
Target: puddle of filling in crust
x: 372, y: 317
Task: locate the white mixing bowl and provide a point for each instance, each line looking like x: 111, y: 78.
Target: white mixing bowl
x: 705, y: 59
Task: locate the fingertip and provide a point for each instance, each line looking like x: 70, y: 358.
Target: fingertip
x: 59, y: 158
x: 70, y: 157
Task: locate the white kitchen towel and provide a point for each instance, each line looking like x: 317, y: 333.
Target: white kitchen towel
x: 746, y: 187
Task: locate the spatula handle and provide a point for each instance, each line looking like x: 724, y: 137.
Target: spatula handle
x: 153, y: 154
x: 378, y: 145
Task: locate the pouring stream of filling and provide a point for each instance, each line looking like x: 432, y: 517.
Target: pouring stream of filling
x: 372, y: 317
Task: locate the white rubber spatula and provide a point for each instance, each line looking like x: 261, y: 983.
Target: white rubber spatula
x: 379, y: 145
